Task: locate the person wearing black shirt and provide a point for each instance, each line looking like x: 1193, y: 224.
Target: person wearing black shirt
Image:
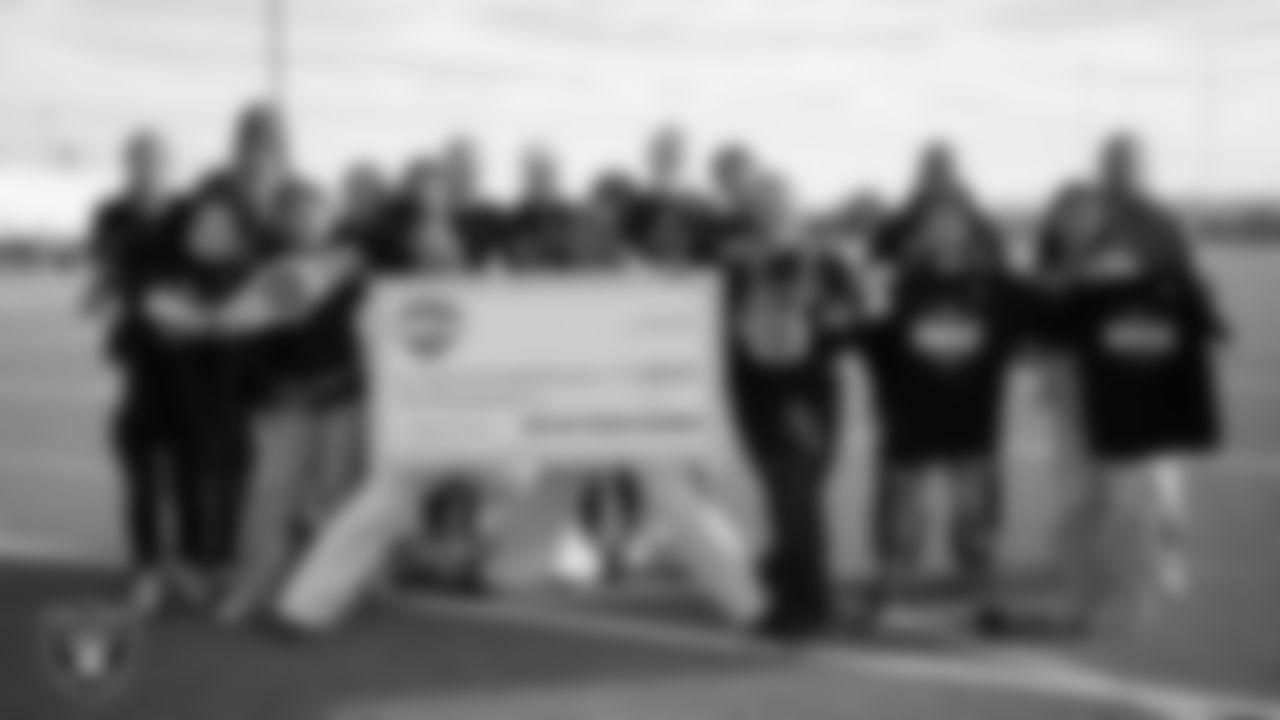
x: 480, y: 223
x: 132, y: 250
x: 729, y: 217
x: 667, y: 223
x: 939, y: 180
x: 226, y: 229
x: 211, y: 379
x: 307, y: 394
x: 1138, y: 326
x: 542, y: 218
x: 365, y: 220
x: 789, y: 313
x: 939, y: 359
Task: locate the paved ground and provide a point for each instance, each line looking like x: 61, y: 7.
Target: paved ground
x: 640, y: 658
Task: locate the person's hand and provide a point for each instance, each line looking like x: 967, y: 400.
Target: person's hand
x: 174, y: 313
x: 247, y: 312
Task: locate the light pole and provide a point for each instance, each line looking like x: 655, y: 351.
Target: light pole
x: 277, y: 53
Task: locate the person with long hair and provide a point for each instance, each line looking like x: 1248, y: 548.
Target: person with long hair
x: 307, y: 423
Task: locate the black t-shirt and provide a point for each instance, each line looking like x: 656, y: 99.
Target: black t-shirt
x: 1142, y: 349
x: 669, y: 229
x: 381, y: 236
x: 943, y: 332
x: 538, y: 235
x: 893, y: 243
x: 318, y: 357
x: 788, y: 313
x: 216, y: 368
x: 939, y: 360
x: 722, y: 231
x: 134, y: 248
x: 483, y: 229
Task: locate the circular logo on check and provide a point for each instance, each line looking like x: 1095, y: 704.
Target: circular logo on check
x: 431, y: 326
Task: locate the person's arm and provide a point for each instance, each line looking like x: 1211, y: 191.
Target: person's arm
x: 175, y: 313
x: 101, y: 296
x: 842, y: 312
x: 1203, y: 314
x: 287, y: 292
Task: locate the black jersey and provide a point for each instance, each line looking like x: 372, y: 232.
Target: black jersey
x: 895, y: 241
x: 214, y: 368
x: 939, y: 360
x: 484, y: 231
x: 134, y: 248
x: 1143, y: 350
x: 788, y: 314
x: 538, y: 234
x: 316, y: 360
x: 382, y: 237
x: 723, y: 229
x: 668, y: 229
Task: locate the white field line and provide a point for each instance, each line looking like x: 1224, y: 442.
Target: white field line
x: 1027, y: 673
x: 1035, y: 674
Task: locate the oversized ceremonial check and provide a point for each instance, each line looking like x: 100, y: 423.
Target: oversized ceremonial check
x: 551, y: 369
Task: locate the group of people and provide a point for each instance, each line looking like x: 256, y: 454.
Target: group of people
x: 233, y: 306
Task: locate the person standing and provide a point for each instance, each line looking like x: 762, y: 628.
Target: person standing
x: 939, y: 358
x: 384, y: 514
x: 664, y: 220
x: 228, y: 227
x: 132, y: 249
x: 480, y: 224
x: 307, y: 424
x: 364, y: 217
x: 789, y: 315
x: 542, y: 218
x: 730, y: 218
x: 1139, y: 329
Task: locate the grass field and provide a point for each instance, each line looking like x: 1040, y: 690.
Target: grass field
x: 644, y: 658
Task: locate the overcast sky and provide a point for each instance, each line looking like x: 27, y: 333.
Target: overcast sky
x: 839, y: 92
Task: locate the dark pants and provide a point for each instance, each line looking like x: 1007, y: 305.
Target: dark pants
x: 901, y: 527
x: 146, y: 443
x: 214, y: 454
x: 793, y: 466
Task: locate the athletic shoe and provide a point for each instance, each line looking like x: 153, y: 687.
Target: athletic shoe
x: 190, y: 586
x: 284, y: 631
x: 235, y: 609
x: 149, y: 594
x: 790, y: 630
